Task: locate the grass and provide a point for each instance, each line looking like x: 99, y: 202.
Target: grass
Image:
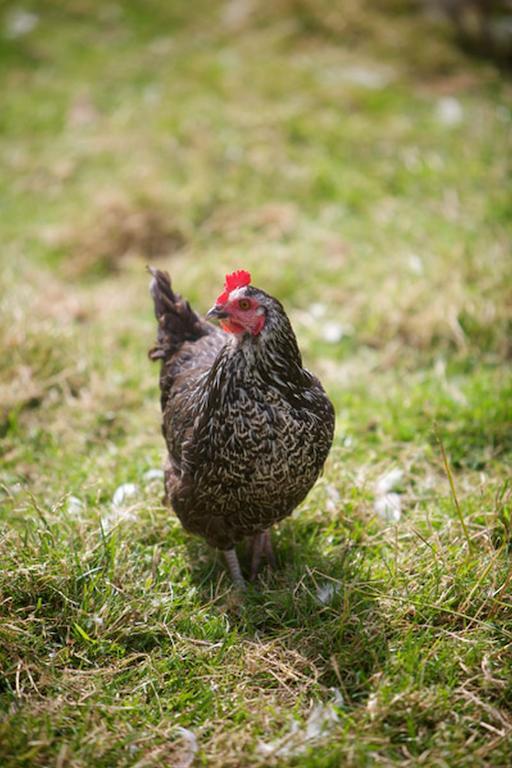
x: 357, y: 163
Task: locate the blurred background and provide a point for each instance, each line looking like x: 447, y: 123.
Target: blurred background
x: 355, y: 157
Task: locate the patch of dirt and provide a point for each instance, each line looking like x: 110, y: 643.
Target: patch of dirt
x: 118, y: 231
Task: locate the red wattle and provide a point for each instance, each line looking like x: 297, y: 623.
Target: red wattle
x: 231, y: 326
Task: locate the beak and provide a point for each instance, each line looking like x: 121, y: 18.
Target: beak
x: 216, y: 312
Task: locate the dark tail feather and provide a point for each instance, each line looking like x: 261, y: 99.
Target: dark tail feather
x: 177, y: 321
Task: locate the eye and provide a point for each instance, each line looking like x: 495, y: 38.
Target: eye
x: 244, y: 304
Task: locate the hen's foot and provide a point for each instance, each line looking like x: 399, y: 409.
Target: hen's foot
x: 261, y: 547
x: 234, y: 568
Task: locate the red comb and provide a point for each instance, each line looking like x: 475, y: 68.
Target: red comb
x: 236, y: 279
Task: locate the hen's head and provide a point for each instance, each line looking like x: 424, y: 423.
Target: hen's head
x: 240, y: 307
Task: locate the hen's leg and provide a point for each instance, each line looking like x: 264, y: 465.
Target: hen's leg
x: 261, y: 545
x: 256, y: 553
x: 269, y: 552
x: 234, y: 568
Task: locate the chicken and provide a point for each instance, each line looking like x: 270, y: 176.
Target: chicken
x: 247, y: 428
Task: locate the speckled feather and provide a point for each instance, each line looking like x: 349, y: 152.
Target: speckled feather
x: 247, y: 428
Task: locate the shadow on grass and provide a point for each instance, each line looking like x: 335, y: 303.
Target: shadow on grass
x: 318, y: 605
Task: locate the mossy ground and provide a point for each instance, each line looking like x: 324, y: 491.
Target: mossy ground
x: 357, y: 163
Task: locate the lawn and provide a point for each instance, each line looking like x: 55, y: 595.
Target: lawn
x: 358, y: 163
